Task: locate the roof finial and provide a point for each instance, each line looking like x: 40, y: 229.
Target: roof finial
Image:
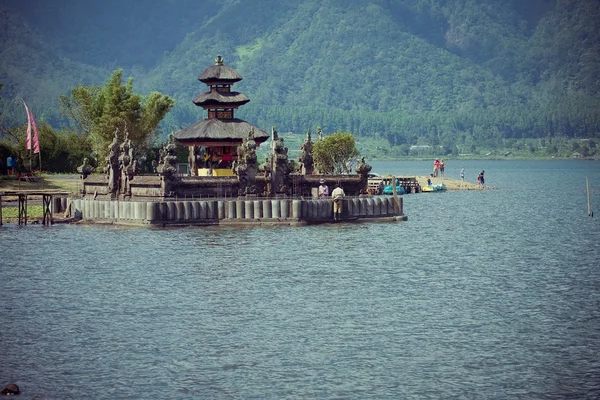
x: 219, y: 60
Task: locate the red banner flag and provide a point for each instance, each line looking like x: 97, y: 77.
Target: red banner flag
x: 36, y: 139
x: 28, y: 140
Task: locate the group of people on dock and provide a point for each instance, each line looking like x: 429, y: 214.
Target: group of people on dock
x: 481, y: 179
x: 438, y: 168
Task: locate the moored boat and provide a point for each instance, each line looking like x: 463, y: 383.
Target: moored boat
x: 438, y: 187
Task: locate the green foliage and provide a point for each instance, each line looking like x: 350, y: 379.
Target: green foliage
x: 462, y: 74
x: 102, y: 112
x: 335, y: 154
x: 61, y: 151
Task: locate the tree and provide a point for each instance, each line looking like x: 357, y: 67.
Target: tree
x: 101, y: 111
x: 335, y: 154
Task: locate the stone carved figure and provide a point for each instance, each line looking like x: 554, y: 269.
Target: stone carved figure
x: 246, y: 166
x: 128, y: 164
x: 319, y: 134
x: 305, y: 157
x: 280, y: 166
x: 363, y: 169
x: 167, y: 165
x: 112, y: 165
x: 124, y: 162
x: 85, y: 169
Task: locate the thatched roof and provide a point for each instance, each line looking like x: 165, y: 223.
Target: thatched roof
x: 216, y: 98
x: 216, y: 130
x: 219, y: 72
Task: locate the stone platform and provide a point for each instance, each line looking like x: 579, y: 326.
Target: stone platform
x: 287, y: 211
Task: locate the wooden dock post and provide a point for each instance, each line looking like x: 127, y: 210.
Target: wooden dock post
x: 396, y: 200
x: 22, y: 196
x: 47, y: 217
x: 22, y: 208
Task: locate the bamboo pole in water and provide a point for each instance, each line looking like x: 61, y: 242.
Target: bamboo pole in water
x: 395, y: 198
x: 587, y: 187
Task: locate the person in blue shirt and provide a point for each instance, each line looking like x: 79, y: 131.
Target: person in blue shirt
x: 10, y: 165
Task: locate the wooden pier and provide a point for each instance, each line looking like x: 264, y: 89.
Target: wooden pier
x: 22, y: 198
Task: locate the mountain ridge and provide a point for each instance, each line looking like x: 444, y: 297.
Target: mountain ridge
x: 408, y: 70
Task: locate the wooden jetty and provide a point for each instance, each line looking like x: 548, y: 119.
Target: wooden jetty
x: 22, y: 198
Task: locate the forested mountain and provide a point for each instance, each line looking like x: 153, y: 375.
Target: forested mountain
x: 437, y: 72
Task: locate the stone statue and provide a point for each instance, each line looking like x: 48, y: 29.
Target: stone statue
x: 247, y: 166
x: 319, y: 134
x: 279, y: 166
x: 167, y: 165
x: 112, y: 165
x: 85, y: 169
x: 128, y: 164
x: 363, y: 169
x: 305, y: 157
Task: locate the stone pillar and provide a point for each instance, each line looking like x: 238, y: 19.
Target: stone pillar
x: 258, y: 209
x: 275, y: 208
x: 221, y: 209
x: 377, y: 206
x: 188, y: 210
x: 231, y: 208
x: 151, y: 211
x: 212, y: 209
x: 285, y: 208
x: 172, y: 213
x: 248, y: 209
x: 267, y: 209
x: 297, y: 209
x: 239, y: 209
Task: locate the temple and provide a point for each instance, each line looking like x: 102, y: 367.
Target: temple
x: 225, y: 183
x: 213, y: 141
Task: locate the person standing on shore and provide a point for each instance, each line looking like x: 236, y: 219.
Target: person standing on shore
x: 462, y: 175
x: 10, y: 165
x: 442, y: 168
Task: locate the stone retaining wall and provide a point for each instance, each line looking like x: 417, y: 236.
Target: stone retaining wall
x: 229, y: 211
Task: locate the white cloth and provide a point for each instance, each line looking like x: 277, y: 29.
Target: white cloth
x: 323, y: 191
x: 338, y: 193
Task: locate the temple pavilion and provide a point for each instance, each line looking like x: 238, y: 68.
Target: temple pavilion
x: 213, y: 141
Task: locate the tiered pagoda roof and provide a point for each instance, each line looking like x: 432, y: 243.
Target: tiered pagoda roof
x: 221, y: 127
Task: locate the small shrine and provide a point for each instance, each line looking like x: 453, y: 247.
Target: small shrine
x: 213, y: 141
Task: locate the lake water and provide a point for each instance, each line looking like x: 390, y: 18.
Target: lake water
x: 480, y: 294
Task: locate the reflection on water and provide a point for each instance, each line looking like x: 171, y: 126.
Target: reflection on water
x: 490, y: 294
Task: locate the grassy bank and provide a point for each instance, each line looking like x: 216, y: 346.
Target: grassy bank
x: 65, y: 182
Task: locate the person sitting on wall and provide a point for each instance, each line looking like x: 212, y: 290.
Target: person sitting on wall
x: 323, y: 189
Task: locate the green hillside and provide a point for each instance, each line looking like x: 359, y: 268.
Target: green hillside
x: 435, y: 72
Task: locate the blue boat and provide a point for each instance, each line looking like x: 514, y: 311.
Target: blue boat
x: 390, y: 190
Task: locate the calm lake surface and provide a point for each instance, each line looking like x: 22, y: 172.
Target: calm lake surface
x: 480, y: 294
